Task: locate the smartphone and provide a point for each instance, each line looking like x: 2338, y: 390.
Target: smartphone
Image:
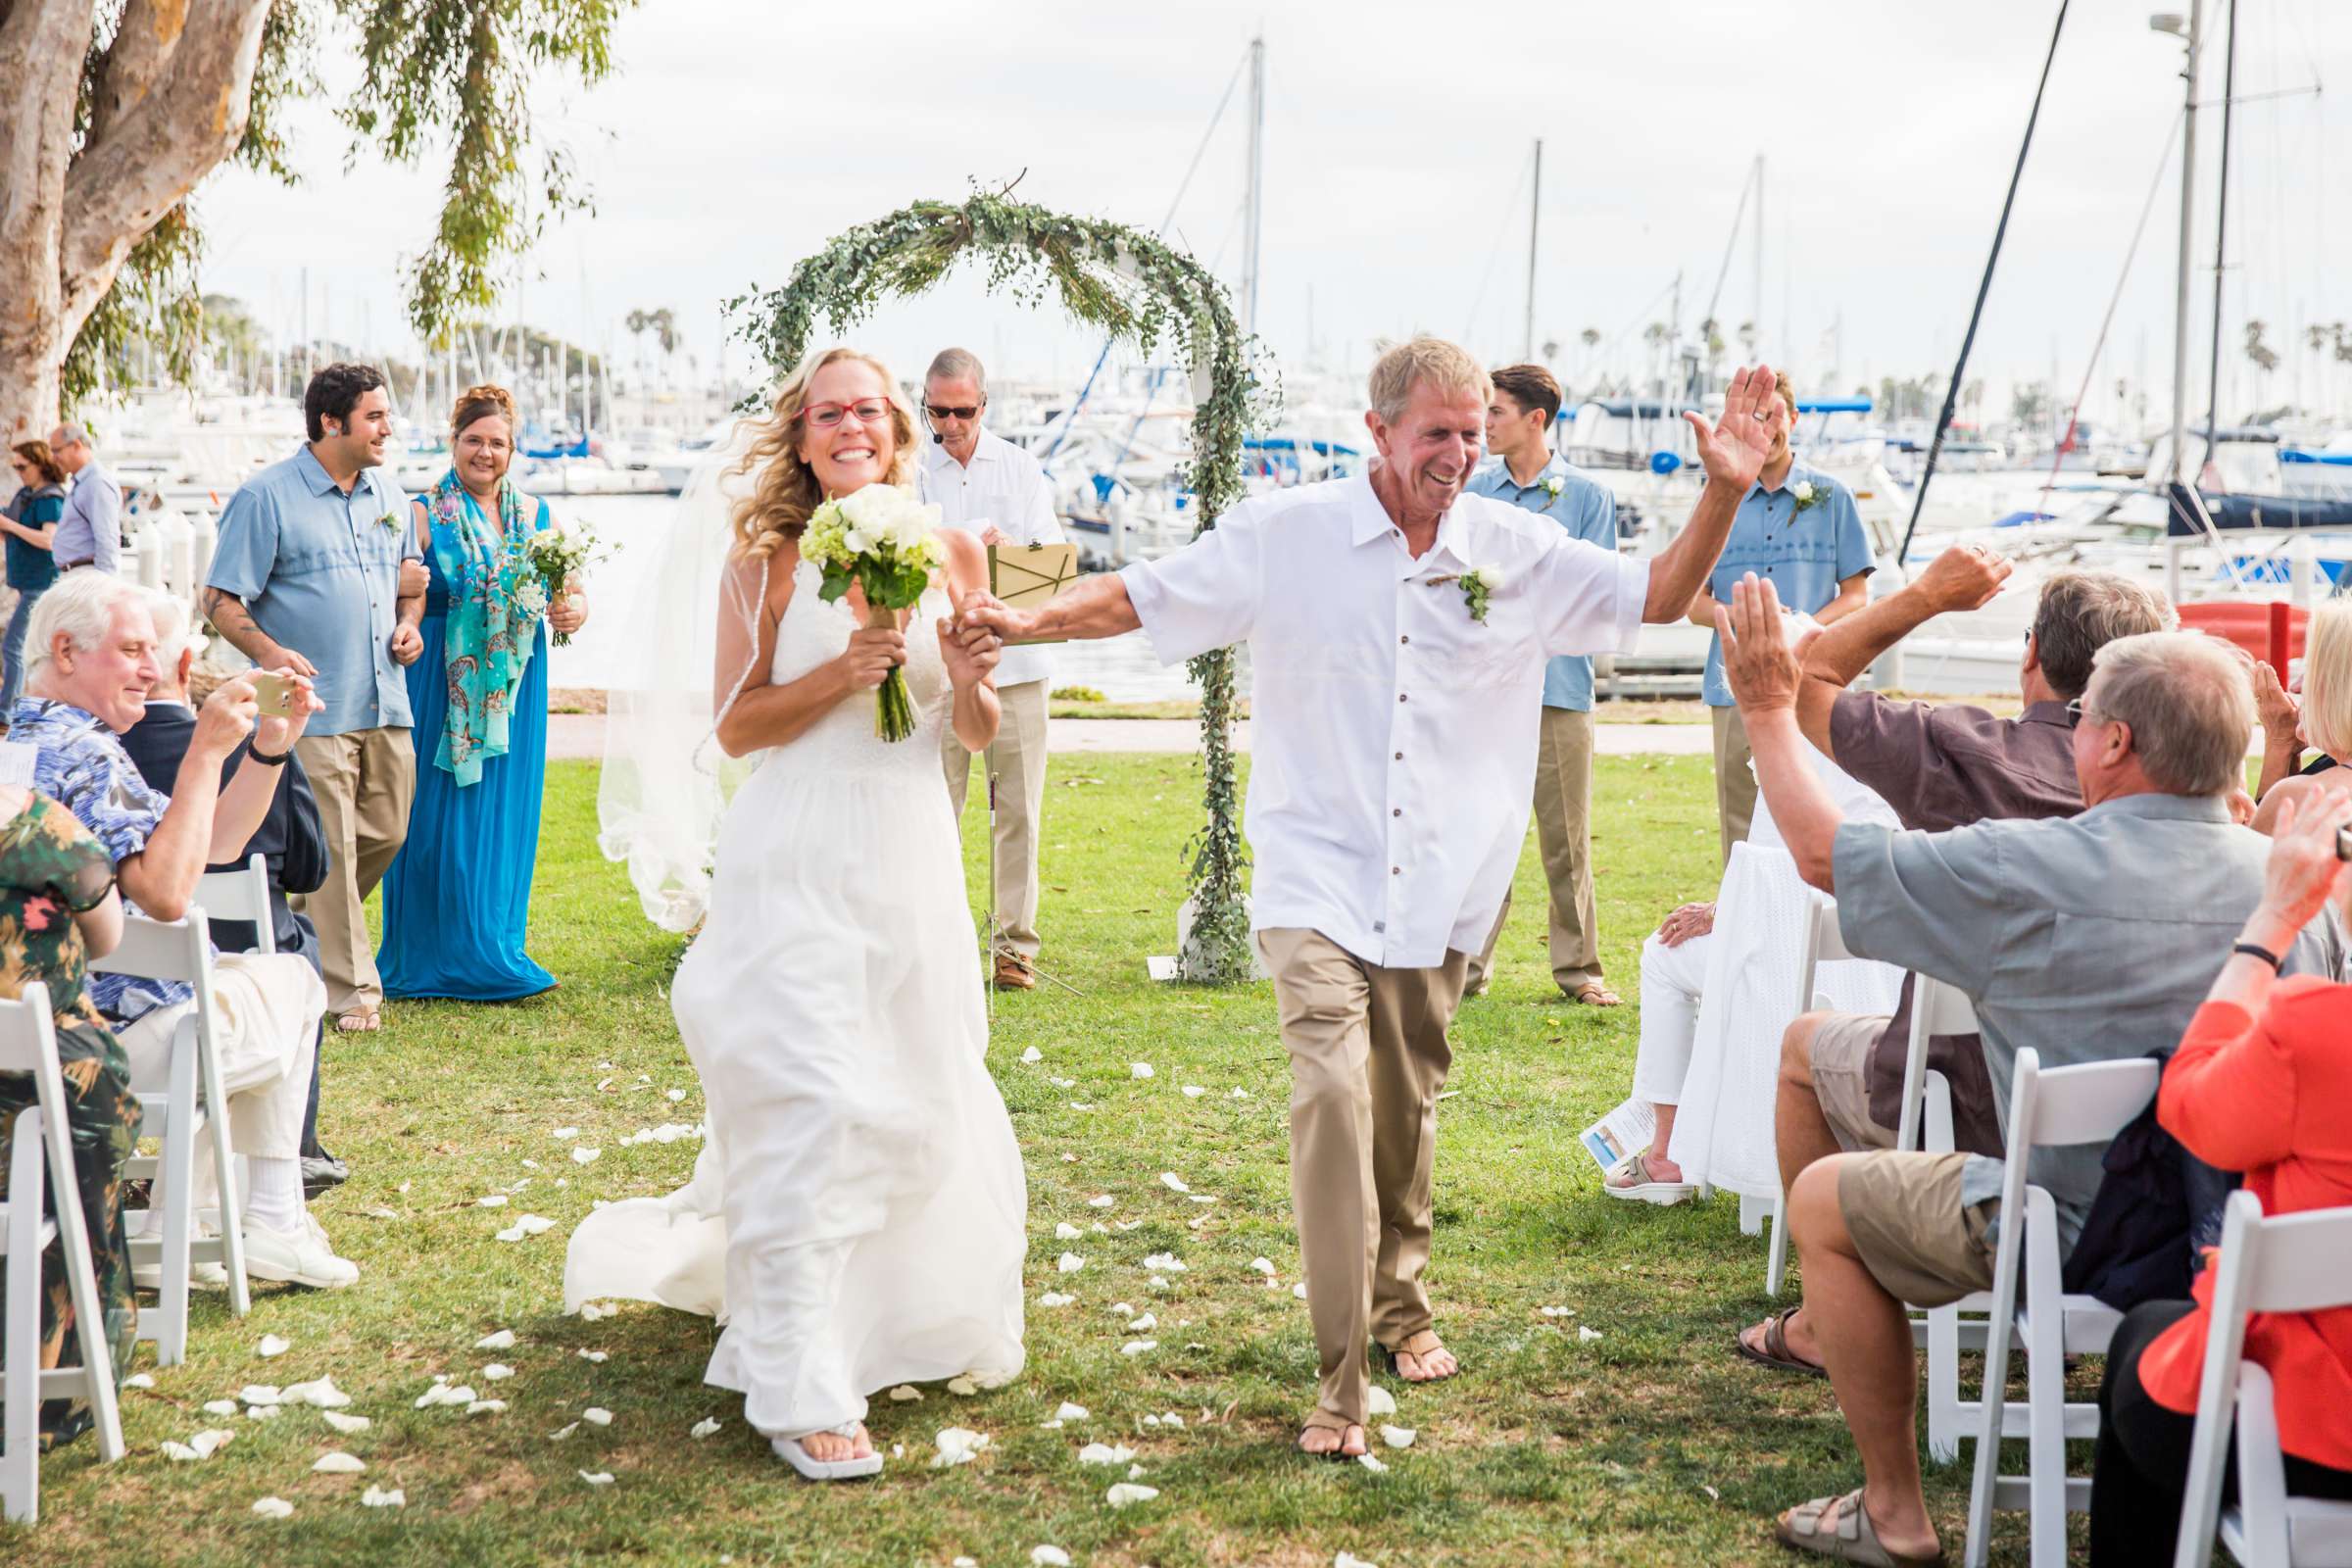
x: 273, y: 696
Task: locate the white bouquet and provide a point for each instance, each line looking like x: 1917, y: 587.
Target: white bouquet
x: 880, y: 538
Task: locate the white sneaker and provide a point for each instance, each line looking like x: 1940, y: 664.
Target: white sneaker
x: 298, y: 1258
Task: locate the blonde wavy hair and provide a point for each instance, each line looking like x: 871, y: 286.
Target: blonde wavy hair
x: 784, y: 490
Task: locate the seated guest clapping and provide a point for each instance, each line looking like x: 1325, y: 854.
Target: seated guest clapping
x: 2321, y: 719
x: 2088, y: 938
x: 291, y: 841
x: 90, y: 664
x: 2260, y: 1084
x: 1940, y: 765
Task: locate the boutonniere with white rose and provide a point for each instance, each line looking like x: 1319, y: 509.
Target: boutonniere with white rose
x: 1552, y: 487
x: 388, y: 523
x: 1479, y: 584
x: 1808, y: 494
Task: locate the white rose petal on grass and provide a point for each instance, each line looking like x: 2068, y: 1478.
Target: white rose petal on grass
x: 494, y: 1200
x: 445, y: 1394
x: 345, y: 1424
x: 1194, y: 1091
x: 593, y: 1357
x: 1055, y: 1298
x: 597, y: 1478
x: 1138, y: 1069
x: 1372, y: 1463
x: 590, y: 1311
x: 1049, y: 1557
x: 1138, y: 1347
x: 1173, y: 1182
x: 513, y: 1232
x: 272, y: 1345
x: 1379, y: 1401
x: 338, y: 1463
x: 1300, y: 1290
x: 273, y: 1508
x: 487, y: 1407
x: 703, y: 1429
x: 497, y: 1372
x: 676, y: 1094
x: 1135, y: 1472
x: 1066, y: 1083
x: 1263, y: 1265
x: 1127, y: 1492
x: 1100, y: 1201
x: 962, y: 1385
x: 1033, y: 1055
x: 596, y: 1416
x: 567, y: 1132
x: 265, y: 1412
x: 957, y: 1445
x: 1165, y: 1263
x: 138, y: 1380
x: 1398, y: 1437
x: 502, y: 1340
x: 260, y: 1394
x: 561, y: 1433
x: 906, y: 1393
x: 1070, y: 1263
x: 1586, y: 1334
x: 1240, y: 1093
x: 1144, y: 1324
x: 221, y: 1407
x: 1066, y: 1232
x: 321, y: 1394
x: 582, y: 1154
x: 530, y: 1164
x: 1348, y: 1559
x: 1104, y: 1454
x: 1071, y: 1412
x: 1121, y: 1309
x: 378, y: 1498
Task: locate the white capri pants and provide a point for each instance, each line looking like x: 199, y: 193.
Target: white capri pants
x: 1672, y: 982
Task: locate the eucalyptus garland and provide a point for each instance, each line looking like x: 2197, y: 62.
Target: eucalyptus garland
x: 1140, y: 292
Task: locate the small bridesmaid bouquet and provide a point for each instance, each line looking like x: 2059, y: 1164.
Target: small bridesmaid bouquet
x: 555, y: 556
x: 879, y: 538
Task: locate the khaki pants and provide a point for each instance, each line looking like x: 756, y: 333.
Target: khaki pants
x: 1564, y: 834
x: 1017, y: 760
x: 1734, y: 778
x: 364, y: 781
x: 1368, y: 1054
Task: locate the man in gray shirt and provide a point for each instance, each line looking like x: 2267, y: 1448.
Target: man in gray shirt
x: 2090, y: 938
x: 90, y: 533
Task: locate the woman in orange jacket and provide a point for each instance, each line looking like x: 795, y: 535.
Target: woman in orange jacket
x: 2262, y: 1084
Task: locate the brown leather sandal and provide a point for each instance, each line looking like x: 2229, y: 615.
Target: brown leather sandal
x: 1776, y: 1352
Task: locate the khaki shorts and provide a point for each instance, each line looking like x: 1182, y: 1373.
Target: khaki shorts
x: 1910, y: 1229
x: 1840, y: 1053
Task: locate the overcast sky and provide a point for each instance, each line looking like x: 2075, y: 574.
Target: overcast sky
x: 738, y: 135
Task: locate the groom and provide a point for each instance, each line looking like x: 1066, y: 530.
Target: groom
x: 1394, y: 726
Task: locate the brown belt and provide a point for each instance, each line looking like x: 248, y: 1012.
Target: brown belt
x: 68, y: 565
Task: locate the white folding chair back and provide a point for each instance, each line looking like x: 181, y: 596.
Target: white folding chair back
x: 182, y: 950
x: 41, y: 1162
x: 1825, y: 943
x: 241, y: 895
x: 2066, y: 1105
x: 2293, y: 1263
x: 1936, y: 1008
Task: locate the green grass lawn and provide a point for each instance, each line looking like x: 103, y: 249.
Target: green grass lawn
x: 1650, y: 1445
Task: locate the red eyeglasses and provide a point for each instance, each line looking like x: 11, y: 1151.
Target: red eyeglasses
x: 867, y: 411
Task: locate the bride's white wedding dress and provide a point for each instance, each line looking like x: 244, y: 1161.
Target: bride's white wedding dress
x: 856, y: 1214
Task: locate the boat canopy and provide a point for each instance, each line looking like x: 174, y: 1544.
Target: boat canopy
x: 2235, y: 512
x: 1832, y: 405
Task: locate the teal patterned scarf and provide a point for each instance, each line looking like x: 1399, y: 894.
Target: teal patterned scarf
x: 495, y: 602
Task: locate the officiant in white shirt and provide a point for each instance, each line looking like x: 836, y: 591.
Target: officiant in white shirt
x: 1393, y: 728
x: 985, y: 484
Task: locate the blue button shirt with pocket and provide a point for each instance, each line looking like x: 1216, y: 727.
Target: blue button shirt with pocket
x: 1803, y: 551
x: 1585, y: 508
x: 318, y: 570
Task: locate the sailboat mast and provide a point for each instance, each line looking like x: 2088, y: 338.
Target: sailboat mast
x: 1255, y: 211
x: 1534, y: 215
x: 2189, y: 213
x: 2221, y: 235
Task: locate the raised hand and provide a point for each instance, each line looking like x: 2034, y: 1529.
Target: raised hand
x: 1757, y: 661
x: 1735, y: 448
x: 2305, y: 869
x: 1964, y: 577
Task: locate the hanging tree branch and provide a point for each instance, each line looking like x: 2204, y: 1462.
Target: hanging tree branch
x: 1139, y: 290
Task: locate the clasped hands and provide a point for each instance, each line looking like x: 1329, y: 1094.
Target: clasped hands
x: 970, y: 648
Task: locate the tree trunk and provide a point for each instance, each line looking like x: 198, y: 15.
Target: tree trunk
x: 170, y: 102
x: 41, y: 46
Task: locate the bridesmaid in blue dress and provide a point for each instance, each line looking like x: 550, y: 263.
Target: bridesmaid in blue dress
x: 456, y: 901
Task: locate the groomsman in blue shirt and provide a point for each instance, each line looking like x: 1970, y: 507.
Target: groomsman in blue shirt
x: 1523, y: 470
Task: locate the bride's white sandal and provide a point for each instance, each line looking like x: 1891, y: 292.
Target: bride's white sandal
x: 789, y: 1449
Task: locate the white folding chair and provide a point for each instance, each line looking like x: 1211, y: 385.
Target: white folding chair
x: 1825, y: 943
x: 2293, y: 1263
x: 42, y: 1160
x: 183, y: 951
x: 241, y: 895
x: 2066, y: 1105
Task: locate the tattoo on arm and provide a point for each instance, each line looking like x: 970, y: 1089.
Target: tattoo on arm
x: 231, y: 618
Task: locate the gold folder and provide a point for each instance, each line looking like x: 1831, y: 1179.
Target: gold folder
x: 1026, y: 577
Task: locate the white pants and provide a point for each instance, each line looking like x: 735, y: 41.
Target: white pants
x: 1672, y: 981
x: 266, y: 1013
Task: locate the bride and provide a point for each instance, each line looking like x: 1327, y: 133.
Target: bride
x: 856, y: 1214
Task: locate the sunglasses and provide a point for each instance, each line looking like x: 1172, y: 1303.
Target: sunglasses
x: 867, y: 411
x: 940, y: 412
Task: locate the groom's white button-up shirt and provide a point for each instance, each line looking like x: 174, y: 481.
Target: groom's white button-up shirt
x: 1393, y: 737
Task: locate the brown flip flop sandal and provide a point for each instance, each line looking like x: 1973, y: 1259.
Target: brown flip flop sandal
x: 1323, y: 1420
x: 1776, y: 1353
x: 1850, y: 1538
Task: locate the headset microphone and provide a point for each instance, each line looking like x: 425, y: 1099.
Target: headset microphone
x: 938, y: 440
